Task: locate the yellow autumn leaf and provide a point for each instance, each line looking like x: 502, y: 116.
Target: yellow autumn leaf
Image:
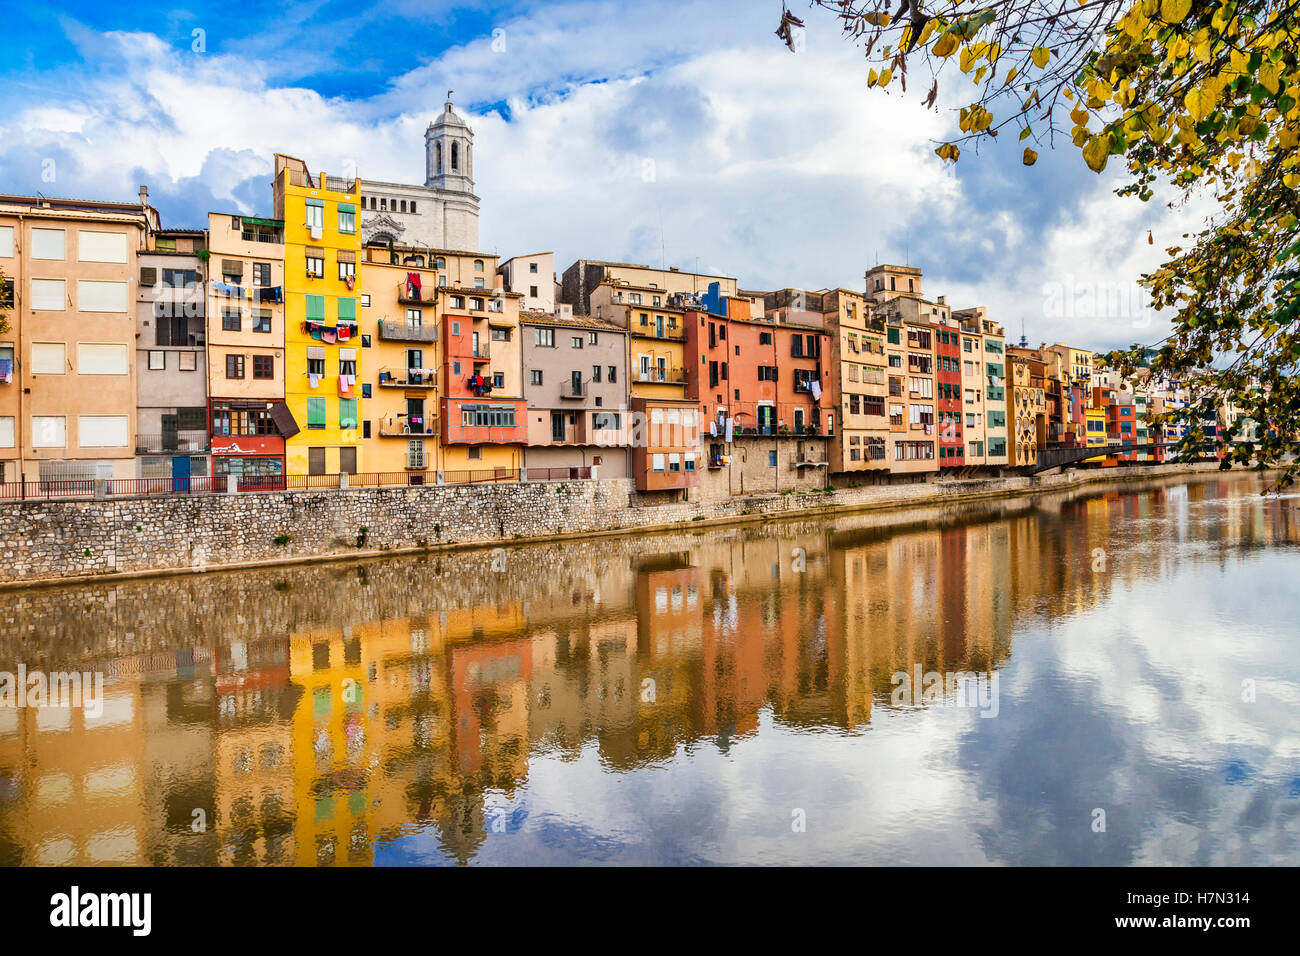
x: 1096, y: 152
x: 1269, y: 76
x: 1199, y: 102
x: 1041, y: 55
x: 1011, y: 76
x: 1175, y: 11
x: 1030, y: 157
x: 945, y: 46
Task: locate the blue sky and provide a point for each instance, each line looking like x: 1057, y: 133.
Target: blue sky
x: 681, y: 132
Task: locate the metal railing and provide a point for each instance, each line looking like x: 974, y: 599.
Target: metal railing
x: 660, y: 376
x: 189, y: 440
x: 401, y: 332
x: 572, y: 389
x: 405, y: 378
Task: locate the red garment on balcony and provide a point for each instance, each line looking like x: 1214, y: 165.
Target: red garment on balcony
x: 413, y: 285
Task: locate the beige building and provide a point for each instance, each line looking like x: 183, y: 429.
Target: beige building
x: 533, y: 277
x: 585, y: 276
x: 983, y: 380
x: 67, y: 371
x: 858, y: 360
x: 245, y: 346
x: 912, y: 448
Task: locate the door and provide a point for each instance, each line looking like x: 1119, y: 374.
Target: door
x: 180, y: 472
x: 414, y: 360
x: 766, y: 419
x: 170, y: 437
x: 661, y: 371
x: 415, y: 416
x: 659, y: 326
x: 576, y: 380
x: 558, y: 430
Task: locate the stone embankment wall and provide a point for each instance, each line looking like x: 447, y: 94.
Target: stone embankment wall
x: 51, y: 541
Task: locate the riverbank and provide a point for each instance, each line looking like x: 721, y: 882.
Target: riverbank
x: 71, y: 541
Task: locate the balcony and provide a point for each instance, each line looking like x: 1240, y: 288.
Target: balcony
x: 482, y: 352
x: 400, y: 426
x: 572, y: 389
x: 407, y: 296
x: 192, y: 442
x: 408, y: 378
x: 660, y: 376
x: 653, y: 332
x: 400, y: 332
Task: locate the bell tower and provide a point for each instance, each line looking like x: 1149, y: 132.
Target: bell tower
x: 449, y: 152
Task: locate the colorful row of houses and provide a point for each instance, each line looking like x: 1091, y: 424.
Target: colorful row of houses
x: 342, y: 334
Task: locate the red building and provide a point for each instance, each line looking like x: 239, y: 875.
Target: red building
x: 476, y: 407
x: 947, y: 392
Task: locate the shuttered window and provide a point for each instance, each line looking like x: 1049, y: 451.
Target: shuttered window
x: 102, y: 431
x: 315, y: 413
x: 315, y: 307
x: 347, y: 310
x: 93, y: 359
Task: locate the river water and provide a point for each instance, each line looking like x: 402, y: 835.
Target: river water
x: 1099, y: 677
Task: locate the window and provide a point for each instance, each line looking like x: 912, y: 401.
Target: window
x: 263, y: 366
x: 347, y: 270
x: 478, y: 265
x: 230, y: 320
x: 316, y: 461
x: 6, y: 242
x: 7, y: 436
x: 348, y: 413
x: 576, y: 341
x: 261, y: 273
x: 315, y: 366
x: 532, y: 291
x: 49, y: 358
x: 535, y: 376
x: 544, y: 338
x: 606, y: 420
x: 234, y: 366
x: 657, y: 463
x: 347, y: 218
x: 157, y: 361
x: 595, y: 373
x: 315, y: 413
x: 48, y: 244
x: 347, y: 366
x: 101, y: 246
x: 262, y: 320
x: 102, y: 431
x: 49, y: 294
x: 315, y: 213
x: 189, y: 361
x: 613, y: 373
x: 96, y: 296
x: 771, y: 459
x: 316, y: 267
x: 102, y: 359
x: 49, y: 431
x: 532, y: 267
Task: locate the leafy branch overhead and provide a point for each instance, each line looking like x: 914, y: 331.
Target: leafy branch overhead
x: 1199, y: 95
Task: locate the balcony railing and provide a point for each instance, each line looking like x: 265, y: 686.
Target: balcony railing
x: 408, y: 378
x: 408, y: 296
x: 192, y: 441
x: 402, y: 427
x: 482, y: 351
x: 653, y: 332
x: 400, y: 332
x: 660, y: 376
x: 572, y: 389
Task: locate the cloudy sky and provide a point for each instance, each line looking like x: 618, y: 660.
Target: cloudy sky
x: 682, y: 132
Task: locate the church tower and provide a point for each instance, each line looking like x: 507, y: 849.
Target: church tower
x: 449, y: 168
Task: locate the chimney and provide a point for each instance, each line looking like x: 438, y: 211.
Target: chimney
x: 144, y: 195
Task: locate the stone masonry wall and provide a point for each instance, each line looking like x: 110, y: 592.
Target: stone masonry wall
x: 52, y: 541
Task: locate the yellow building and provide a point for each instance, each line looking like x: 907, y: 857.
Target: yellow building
x: 321, y: 341
x: 1096, y: 424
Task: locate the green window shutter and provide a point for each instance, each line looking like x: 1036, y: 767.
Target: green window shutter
x: 347, y: 412
x: 347, y: 309
x: 347, y: 207
x: 315, y: 413
x: 893, y: 336
x: 315, y: 307
x: 316, y: 202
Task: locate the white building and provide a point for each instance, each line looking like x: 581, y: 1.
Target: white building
x: 441, y: 214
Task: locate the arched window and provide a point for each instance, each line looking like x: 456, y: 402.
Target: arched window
x: 383, y: 204
x: 469, y: 160
x: 441, y: 263
x: 478, y: 265
x: 437, y: 152
x: 455, y: 157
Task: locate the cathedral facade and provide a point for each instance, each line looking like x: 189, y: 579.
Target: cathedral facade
x: 441, y: 214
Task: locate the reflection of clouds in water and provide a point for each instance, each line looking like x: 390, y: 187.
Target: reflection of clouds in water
x: 1136, y: 707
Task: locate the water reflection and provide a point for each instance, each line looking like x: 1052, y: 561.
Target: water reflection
x: 685, y: 697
